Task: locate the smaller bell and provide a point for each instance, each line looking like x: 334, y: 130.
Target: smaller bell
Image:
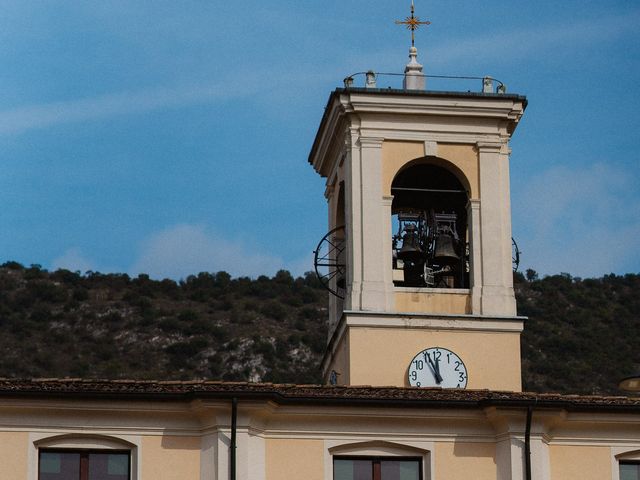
x: 410, y: 250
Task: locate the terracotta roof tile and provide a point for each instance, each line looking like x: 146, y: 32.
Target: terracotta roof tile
x: 298, y: 394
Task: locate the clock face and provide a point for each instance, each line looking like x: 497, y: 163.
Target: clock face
x: 437, y: 367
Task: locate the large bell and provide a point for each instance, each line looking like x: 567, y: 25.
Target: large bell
x: 444, y: 251
x: 410, y: 251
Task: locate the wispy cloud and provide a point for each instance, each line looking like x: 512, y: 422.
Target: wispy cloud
x: 21, y: 119
x: 585, y: 222
x: 243, y: 84
x: 522, y: 42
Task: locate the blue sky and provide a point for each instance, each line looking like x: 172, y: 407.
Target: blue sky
x: 172, y: 137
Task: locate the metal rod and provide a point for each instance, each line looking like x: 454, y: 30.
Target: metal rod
x: 527, y: 444
x: 434, y: 190
x: 232, y: 447
x: 450, y: 77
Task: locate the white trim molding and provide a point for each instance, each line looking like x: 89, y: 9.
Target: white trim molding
x: 379, y: 448
x: 75, y: 440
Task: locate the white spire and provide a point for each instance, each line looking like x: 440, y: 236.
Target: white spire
x: 413, y: 77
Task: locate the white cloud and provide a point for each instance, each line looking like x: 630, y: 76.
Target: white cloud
x: 245, y: 83
x: 585, y: 222
x: 21, y: 119
x: 74, y: 260
x: 520, y: 43
x: 183, y: 250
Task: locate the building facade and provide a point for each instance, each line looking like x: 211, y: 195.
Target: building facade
x: 126, y: 430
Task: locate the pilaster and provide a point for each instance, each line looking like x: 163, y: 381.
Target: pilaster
x: 222, y: 445
x: 331, y: 194
x: 510, y: 426
x: 475, y: 255
x: 353, y: 220
x: 371, y: 241
x: 387, y: 201
x: 509, y: 458
x: 495, y: 226
x: 208, y: 456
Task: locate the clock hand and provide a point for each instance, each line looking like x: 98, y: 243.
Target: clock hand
x: 430, y: 363
x: 438, y: 371
x: 435, y: 369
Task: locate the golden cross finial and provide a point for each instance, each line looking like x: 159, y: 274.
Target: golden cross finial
x: 412, y: 24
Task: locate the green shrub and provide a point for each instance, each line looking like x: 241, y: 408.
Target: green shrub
x: 187, y: 349
x: 274, y: 309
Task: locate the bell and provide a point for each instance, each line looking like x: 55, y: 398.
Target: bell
x: 444, y: 250
x: 410, y: 251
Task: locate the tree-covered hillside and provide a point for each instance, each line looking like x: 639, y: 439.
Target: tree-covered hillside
x: 112, y: 326
x: 581, y: 336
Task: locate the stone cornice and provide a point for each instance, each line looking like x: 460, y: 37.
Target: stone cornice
x: 370, y: 142
x: 485, y: 117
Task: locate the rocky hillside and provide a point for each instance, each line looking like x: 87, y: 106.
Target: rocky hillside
x: 112, y: 326
x: 581, y: 336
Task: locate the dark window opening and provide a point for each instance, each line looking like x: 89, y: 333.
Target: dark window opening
x: 63, y: 464
x: 629, y: 470
x: 377, y: 468
x: 430, y: 240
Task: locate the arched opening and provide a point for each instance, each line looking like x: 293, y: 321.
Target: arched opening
x: 429, y: 221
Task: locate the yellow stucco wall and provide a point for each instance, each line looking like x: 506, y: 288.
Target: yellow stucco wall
x: 395, y: 154
x: 465, y: 461
x: 170, y: 458
x: 381, y: 356
x: 13, y: 455
x: 465, y: 158
x: 294, y: 459
x: 573, y: 462
x: 423, y: 301
x: 340, y: 361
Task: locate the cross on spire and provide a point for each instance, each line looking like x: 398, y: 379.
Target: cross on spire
x: 412, y: 24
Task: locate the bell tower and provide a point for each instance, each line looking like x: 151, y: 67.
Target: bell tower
x: 418, y: 255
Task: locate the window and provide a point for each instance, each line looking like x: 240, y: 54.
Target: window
x: 377, y: 468
x: 58, y: 464
x: 629, y: 470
